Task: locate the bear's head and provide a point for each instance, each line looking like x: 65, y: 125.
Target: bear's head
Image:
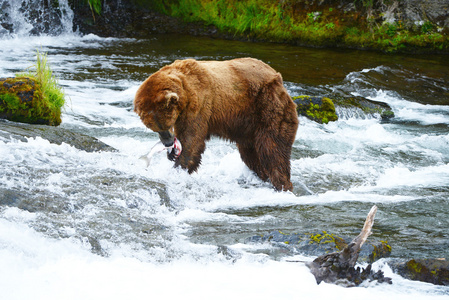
x: 157, y: 102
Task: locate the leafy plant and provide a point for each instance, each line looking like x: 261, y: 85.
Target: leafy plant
x: 366, y: 3
x: 391, y: 30
x: 95, y: 6
x: 427, y: 27
x: 313, y: 16
x: 330, y: 25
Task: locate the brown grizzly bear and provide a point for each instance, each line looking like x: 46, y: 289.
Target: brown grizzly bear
x: 242, y: 100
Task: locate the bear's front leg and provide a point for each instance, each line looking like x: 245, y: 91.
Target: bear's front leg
x: 193, y: 146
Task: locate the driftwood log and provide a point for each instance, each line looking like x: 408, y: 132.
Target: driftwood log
x: 339, y: 267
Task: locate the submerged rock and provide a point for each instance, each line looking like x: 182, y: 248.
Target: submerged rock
x: 368, y: 108
x: 22, y: 100
x: 434, y: 271
x: 55, y: 135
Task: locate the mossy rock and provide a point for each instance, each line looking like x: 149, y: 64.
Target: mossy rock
x: 334, y: 106
x: 318, y: 109
x: 371, y: 252
x: 22, y: 100
x: 435, y: 271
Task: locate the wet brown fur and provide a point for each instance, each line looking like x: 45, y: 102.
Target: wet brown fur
x: 242, y: 100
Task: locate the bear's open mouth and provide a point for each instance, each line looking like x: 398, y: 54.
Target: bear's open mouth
x: 167, y: 138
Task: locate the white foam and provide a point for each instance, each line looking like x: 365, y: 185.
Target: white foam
x: 412, y: 111
x: 432, y: 176
x: 42, y: 268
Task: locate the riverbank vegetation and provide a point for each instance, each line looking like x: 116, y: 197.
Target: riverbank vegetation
x: 362, y: 24
x: 290, y: 21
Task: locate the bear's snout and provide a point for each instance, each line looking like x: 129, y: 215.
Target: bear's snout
x: 167, y: 138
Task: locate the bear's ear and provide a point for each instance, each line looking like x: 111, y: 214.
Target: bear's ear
x: 172, y: 99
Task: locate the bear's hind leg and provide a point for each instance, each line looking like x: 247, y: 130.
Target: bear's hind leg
x: 251, y: 159
x: 274, y: 154
x: 278, y: 122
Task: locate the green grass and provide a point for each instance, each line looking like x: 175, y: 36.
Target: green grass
x: 42, y: 73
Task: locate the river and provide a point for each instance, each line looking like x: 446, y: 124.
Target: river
x: 100, y: 225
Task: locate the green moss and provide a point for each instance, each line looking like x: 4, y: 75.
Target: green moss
x: 386, y: 245
x: 326, y: 238
x: 414, y: 266
x: 321, y: 110
x: 10, y: 102
x: 387, y: 114
x: 379, y: 250
x: 428, y: 270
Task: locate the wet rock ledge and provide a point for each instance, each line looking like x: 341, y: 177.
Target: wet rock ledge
x: 56, y: 135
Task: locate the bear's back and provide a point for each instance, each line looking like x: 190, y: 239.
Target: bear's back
x: 240, y: 69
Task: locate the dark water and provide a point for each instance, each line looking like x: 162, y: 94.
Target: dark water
x: 418, y: 78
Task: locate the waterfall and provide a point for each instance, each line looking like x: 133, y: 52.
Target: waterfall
x: 35, y: 17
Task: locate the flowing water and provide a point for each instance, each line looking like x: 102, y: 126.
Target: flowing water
x: 79, y: 225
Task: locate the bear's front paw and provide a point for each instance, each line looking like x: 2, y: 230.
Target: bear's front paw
x: 174, y: 151
x: 171, y: 155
